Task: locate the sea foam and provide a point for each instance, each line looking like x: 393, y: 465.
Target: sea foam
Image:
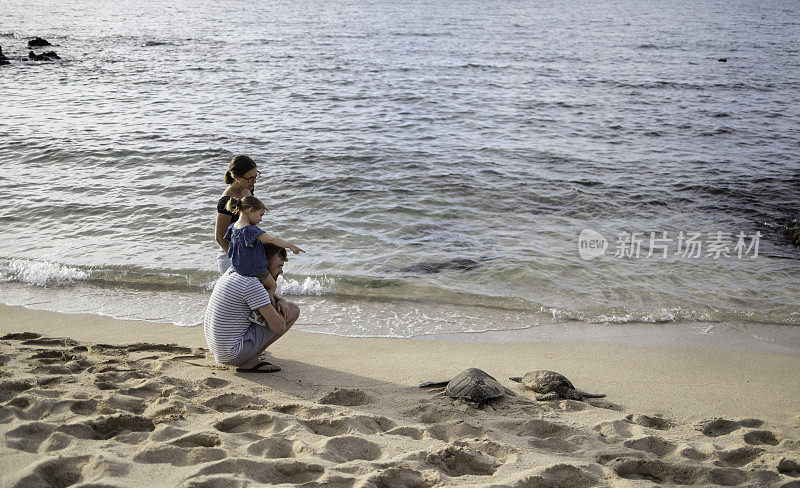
x: 309, y: 286
x: 41, y: 273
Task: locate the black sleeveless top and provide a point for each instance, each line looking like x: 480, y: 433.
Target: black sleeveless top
x: 223, y: 201
x: 221, y: 208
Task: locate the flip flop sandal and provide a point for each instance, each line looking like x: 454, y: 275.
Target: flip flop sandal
x: 257, y: 368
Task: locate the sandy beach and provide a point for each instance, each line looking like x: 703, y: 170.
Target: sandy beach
x: 92, y: 401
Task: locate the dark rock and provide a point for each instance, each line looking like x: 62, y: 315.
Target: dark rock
x: 458, y: 264
x: 38, y: 42
x: 48, y: 56
x: 3, y: 59
x: 792, y: 231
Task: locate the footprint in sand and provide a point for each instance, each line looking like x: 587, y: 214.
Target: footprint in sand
x: 53, y: 381
x: 656, y: 422
x: 212, y: 382
x: 28, y: 436
x: 789, y: 467
x: 336, y: 426
x: 617, y: 430
x: 345, y: 397
x: 456, y: 430
x: 539, y: 428
x: 759, y: 437
x: 178, y: 456
x: 215, y: 481
x: 658, y: 471
x: 716, y: 427
x: 114, y: 378
x: 460, y: 461
x: 106, y: 427
x: 301, y: 411
x: 694, y: 454
x: 432, y: 414
x: 407, y: 431
x: 403, y: 477
x: 277, y: 447
x: 230, y: 402
x: 250, y: 423
x: 197, y: 439
x: 84, y: 407
x: 56, y: 442
x: 739, y: 456
x: 125, y: 402
x: 500, y: 451
x: 146, y: 389
x: 349, y: 448
x: 328, y: 427
x: 265, y: 471
x: 166, y: 432
x: 558, y: 475
x: 67, y: 471
x: 726, y: 476
x: 652, y: 444
x: 37, y: 404
x: 11, y: 388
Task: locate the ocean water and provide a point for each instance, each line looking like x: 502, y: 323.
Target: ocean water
x: 437, y: 160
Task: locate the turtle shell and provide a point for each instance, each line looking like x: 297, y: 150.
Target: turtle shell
x: 544, y: 381
x: 474, y: 385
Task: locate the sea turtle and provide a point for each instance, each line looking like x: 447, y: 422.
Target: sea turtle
x: 473, y: 385
x: 551, y: 385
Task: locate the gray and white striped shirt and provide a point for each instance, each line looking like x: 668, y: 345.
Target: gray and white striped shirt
x: 228, y: 311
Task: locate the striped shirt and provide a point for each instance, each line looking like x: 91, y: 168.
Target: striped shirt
x: 228, y: 311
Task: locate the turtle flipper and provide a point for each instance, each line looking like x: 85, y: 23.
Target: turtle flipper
x: 580, y: 395
x: 549, y: 396
x: 518, y: 379
x: 434, y: 384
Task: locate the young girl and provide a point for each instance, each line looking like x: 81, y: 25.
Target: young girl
x: 246, y: 248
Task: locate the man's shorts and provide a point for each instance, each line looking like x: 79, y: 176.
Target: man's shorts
x: 253, y: 341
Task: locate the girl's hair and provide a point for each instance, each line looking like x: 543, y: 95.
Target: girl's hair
x: 240, y: 165
x: 238, y: 205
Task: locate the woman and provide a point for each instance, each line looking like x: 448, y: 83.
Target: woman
x: 241, y: 179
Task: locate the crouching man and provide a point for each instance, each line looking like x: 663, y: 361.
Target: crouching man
x: 232, y: 338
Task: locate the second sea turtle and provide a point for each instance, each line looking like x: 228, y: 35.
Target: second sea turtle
x: 551, y: 385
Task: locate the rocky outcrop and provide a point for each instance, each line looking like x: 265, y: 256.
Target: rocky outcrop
x: 38, y: 42
x: 48, y: 56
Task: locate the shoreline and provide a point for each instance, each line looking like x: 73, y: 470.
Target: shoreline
x: 743, y: 336
x: 364, y: 316
x: 120, y: 403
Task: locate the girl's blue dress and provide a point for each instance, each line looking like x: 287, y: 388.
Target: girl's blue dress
x: 245, y: 250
